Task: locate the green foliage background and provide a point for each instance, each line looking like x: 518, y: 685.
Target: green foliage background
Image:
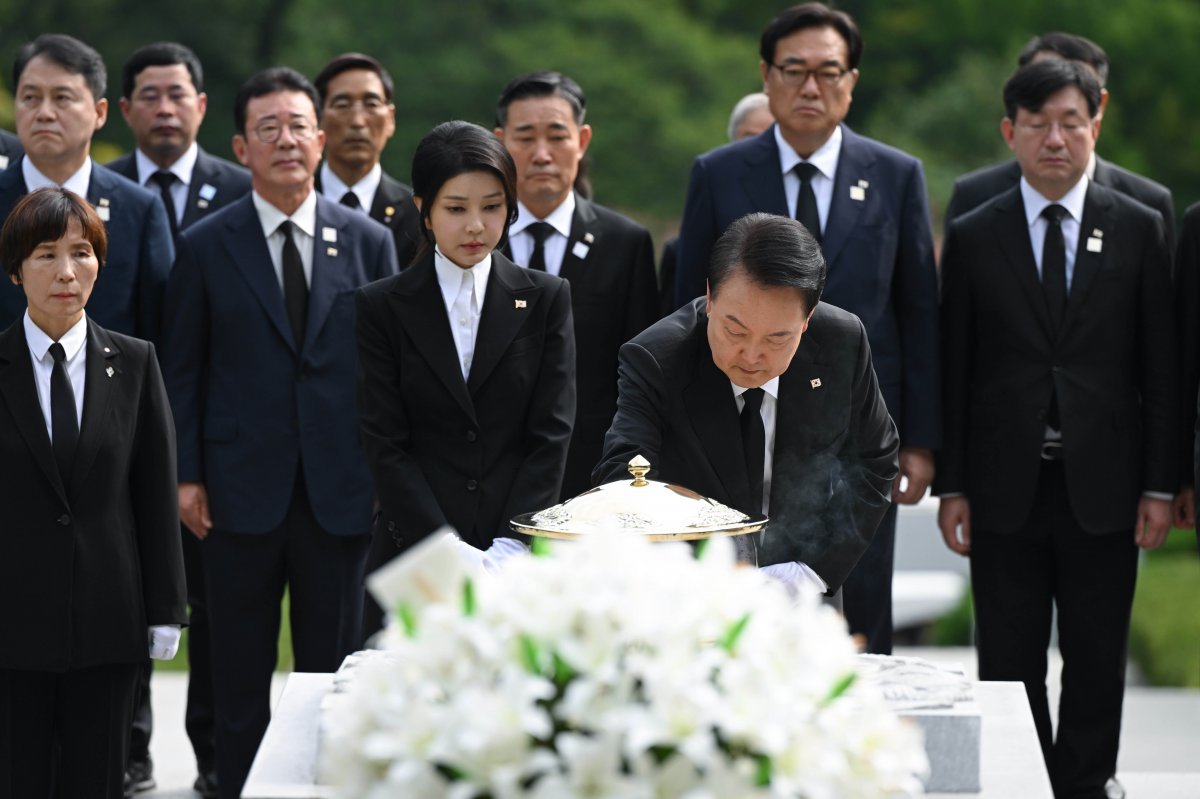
x: 661, y: 77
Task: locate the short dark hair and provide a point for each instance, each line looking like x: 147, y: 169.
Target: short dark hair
x: 1032, y: 85
x: 452, y: 149
x: 812, y: 15
x: 270, y: 81
x: 773, y: 251
x: 69, y: 53
x: 44, y: 215
x: 1070, y: 47
x: 541, y: 84
x: 160, y: 54
x: 346, y: 62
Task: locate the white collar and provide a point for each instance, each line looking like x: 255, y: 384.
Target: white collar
x: 449, y: 274
x: 39, y: 342
x: 270, y: 217
x: 1035, y: 203
x: 182, y: 168
x: 334, y: 189
x: 770, y: 387
x: 559, y: 218
x: 825, y: 159
x: 78, y: 183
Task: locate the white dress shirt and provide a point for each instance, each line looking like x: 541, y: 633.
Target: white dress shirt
x: 43, y: 365
x: 78, y: 183
x: 554, y: 249
x: 825, y: 159
x: 791, y: 574
x: 305, y: 220
x: 334, y: 189
x: 1035, y: 203
x: 182, y: 170
x: 463, y: 291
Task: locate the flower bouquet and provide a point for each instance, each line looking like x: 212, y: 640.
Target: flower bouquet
x: 603, y: 670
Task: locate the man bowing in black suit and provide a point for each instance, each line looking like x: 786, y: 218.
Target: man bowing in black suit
x: 759, y: 397
x: 163, y: 102
x: 1060, y: 396
x: 358, y: 118
x: 607, y: 258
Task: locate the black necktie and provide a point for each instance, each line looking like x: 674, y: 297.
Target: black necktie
x: 754, y: 444
x: 350, y: 200
x: 806, y: 200
x: 295, y: 288
x: 165, y: 181
x: 1054, y: 265
x: 63, y: 419
x: 540, y: 231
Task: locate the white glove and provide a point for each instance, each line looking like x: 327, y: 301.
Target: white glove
x: 164, y: 641
x: 501, y: 550
x: 796, y: 577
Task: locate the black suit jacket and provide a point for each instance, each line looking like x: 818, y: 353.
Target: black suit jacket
x: 84, y: 569
x: 394, y: 208
x: 10, y: 149
x: 609, y: 262
x: 835, y: 450
x: 215, y: 183
x: 975, y: 188
x: 1112, y: 366
x: 128, y: 297
x: 469, y: 453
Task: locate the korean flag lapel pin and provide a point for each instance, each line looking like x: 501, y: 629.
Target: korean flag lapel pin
x: 815, y: 382
x: 103, y: 209
x: 519, y: 304
x: 329, y: 236
x: 858, y: 192
x: 582, y: 247
x: 1095, y: 242
x: 206, y: 194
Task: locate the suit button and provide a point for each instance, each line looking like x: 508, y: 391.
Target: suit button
x: 471, y: 435
x: 64, y: 520
x: 472, y: 485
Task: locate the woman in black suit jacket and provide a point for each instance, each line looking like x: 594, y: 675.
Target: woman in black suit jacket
x: 91, y: 571
x: 466, y: 363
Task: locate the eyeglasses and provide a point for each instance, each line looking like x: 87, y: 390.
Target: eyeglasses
x: 268, y: 132
x: 793, y: 75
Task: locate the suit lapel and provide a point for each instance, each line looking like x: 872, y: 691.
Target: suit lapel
x: 201, y: 191
x: 855, y: 167
x: 509, y: 299
x: 247, y: 250
x: 1095, y: 224
x: 761, y: 179
x: 714, y: 417
x: 100, y: 193
x: 385, y: 207
x: 583, y: 236
x: 423, y: 315
x: 330, y: 274
x: 100, y: 385
x: 20, y: 394
x: 1012, y: 237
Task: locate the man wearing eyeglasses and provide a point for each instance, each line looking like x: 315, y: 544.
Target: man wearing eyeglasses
x: 358, y: 118
x: 866, y: 203
x: 259, y: 361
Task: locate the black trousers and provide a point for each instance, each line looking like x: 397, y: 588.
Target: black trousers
x: 198, y: 718
x: 868, y: 589
x: 1016, y: 579
x: 83, y: 714
x: 246, y: 575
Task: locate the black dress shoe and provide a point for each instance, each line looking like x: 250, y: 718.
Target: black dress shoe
x: 139, y: 777
x: 206, y: 784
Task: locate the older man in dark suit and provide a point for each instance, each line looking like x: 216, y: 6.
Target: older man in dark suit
x: 60, y: 84
x: 759, y: 397
x: 1061, y: 445
x: 607, y: 258
x: 259, y: 361
x: 359, y: 118
x: 163, y: 102
x: 866, y: 203
x: 975, y: 188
